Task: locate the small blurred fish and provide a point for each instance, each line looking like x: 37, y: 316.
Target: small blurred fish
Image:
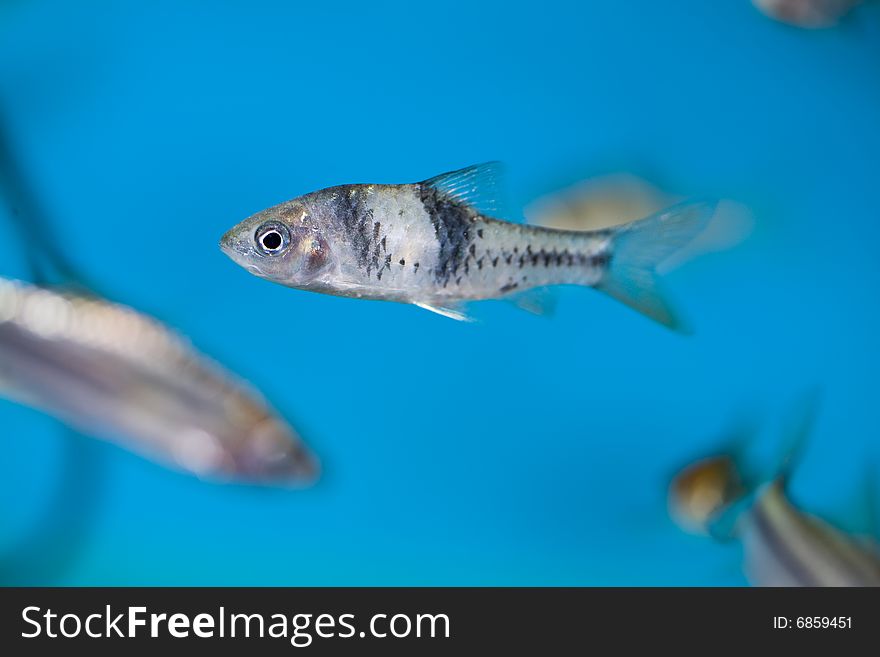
x: 598, y: 202
x: 701, y: 491
x: 810, y: 14
x: 784, y: 546
x: 611, y: 200
x: 111, y: 371
x: 435, y: 244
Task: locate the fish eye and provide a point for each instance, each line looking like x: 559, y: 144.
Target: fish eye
x: 272, y: 237
x: 271, y: 240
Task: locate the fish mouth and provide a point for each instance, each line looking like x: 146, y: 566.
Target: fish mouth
x: 301, y: 473
x: 231, y: 245
x: 305, y: 470
x: 239, y: 251
x: 278, y: 458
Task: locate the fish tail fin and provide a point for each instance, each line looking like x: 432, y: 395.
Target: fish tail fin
x: 637, y: 249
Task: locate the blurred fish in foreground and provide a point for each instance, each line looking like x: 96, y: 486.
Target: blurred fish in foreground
x: 810, y: 14
x: 111, y: 371
x: 784, y: 546
x: 619, y: 198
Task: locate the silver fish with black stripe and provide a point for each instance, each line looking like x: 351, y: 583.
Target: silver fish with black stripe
x: 435, y: 244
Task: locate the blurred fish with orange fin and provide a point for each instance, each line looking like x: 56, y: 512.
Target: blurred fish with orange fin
x: 783, y: 545
x: 614, y: 199
x: 112, y: 372
x: 703, y: 490
x: 809, y: 14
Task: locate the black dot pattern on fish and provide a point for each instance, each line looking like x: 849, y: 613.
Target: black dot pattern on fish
x: 540, y: 258
x: 374, y: 242
x: 564, y: 258
x: 453, y: 227
x: 384, y: 257
x: 369, y: 245
x: 357, y: 221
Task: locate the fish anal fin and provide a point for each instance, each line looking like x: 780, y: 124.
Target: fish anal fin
x: 539, y: 301
x: 455, y: 312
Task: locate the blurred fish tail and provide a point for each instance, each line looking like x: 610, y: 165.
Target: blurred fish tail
x: 639, y: 247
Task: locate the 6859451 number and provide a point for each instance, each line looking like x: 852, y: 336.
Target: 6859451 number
x: 813, y: 622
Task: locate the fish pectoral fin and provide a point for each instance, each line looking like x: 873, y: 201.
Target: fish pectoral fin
x: 456, y: 312
x: 540, y: 301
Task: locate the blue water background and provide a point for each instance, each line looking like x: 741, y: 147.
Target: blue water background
x: 518, y: 450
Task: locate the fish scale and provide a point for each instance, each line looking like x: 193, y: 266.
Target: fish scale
x: 503, y: 258
x: 462, y: 255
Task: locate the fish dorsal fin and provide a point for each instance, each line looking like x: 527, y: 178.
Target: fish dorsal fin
x: 796, y: 432
x: 478, y: 186
x: 46, y: 257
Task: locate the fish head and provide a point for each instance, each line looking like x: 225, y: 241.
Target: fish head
x: 287, y: 243
x: 261, y: 446
x: 273, y: 454
x: 237, y: 437
x: 704, y: 490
